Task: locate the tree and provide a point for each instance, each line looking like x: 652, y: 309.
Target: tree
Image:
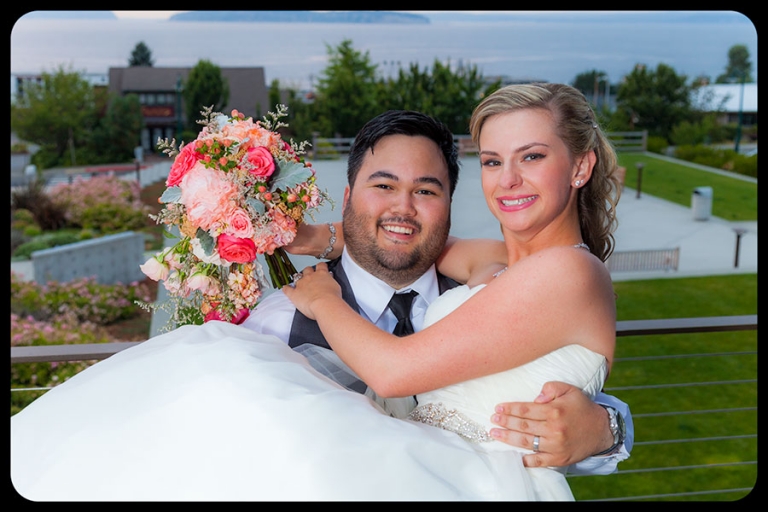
x: 205, y: 87
x: 346, y: 92
x: 119, y: 131
x: 56, y: 114
x: 654, y: 100
x: 141, y: 56
x: 739, y: 67
x: 446, y: 95
x: 591, y: 83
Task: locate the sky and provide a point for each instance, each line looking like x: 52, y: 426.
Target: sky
x: 147, y: 15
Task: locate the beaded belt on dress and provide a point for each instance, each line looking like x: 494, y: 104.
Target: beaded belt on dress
x: 437, y: 415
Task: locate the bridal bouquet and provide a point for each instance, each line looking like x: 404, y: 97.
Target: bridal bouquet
x: 237, y: 191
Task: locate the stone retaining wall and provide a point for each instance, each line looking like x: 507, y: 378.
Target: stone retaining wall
x: 110, y: 259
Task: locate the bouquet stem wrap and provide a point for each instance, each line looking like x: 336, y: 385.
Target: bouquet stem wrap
x: 281, y: 268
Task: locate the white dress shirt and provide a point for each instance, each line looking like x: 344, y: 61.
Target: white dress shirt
x: 274, y: 315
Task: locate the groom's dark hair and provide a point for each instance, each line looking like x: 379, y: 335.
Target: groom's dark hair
x: 403, y: 122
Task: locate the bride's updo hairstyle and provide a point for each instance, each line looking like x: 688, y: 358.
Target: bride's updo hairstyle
x: 578, y: 129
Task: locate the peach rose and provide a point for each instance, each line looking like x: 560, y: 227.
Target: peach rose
x: 236, y: 250
x: 262, y: 161
x: 207, y: 195
x: 239, y: 223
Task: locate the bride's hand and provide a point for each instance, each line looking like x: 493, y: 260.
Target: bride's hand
x: 313, y: 285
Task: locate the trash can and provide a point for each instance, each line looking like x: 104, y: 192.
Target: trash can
x: 701, y: 203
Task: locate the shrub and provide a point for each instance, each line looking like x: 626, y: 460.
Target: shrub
x: 657, y: 144
x: 726, y: 159
x: 63, y: 313
x: 84, y: 300
x: 17, y: 239
x: 112, y: 218
x: 45, y: 241
x: 104, y: 203
x: 27, y: 331
x: 33, y: 197
x: 746, y: 165
x: 21, y: 218
x: 33, y: 231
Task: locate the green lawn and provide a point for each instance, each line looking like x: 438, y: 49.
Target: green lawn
x: 732, y: 199
x: 681, y: 359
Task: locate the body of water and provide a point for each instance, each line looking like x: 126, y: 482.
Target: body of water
x: 295, y: 53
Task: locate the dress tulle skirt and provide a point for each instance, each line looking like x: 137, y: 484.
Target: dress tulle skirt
x: 217, y: 412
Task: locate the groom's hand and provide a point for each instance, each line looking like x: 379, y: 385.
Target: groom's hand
x: 570, y: 426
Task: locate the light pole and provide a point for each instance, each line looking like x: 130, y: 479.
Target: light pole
x: 737, y: 139
x: 639, y: 166
x: 178, y: 108
x: 739, y: 233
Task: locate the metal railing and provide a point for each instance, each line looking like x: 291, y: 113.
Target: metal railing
x: 649, y: 259
x: 336, y: 147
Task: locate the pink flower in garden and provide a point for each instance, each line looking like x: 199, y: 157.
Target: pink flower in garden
x: 236, y: 250
x: 185, y: 160
x: 262, y: 161
x: 207, y: 195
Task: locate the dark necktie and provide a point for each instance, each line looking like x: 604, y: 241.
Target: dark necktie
x: 400, y: 304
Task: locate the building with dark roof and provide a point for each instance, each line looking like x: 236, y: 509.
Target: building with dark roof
x: 162, y: 104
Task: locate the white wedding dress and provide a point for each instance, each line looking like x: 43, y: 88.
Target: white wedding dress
x: 218, y: 413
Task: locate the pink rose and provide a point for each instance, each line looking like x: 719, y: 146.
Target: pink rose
x: 184, y: 161
x: 237, y: 319
x: 207, y: 195
x: 174, y: 286
x: 155, y: 270
x: 206, y: 284
x: 262, y: 161
x: 236, y: 250
x: 239, y: 223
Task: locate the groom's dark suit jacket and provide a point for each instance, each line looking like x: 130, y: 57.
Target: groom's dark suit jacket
x: 304, y: 330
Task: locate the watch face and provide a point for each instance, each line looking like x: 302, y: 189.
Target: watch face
x: 622, y: 426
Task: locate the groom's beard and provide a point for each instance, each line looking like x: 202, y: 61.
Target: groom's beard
x: 397, y: 268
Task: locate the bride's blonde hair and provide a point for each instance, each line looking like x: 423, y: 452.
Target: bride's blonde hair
x: 579, y: 130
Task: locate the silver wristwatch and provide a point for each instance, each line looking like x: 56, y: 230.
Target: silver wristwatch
x: 618, y: 429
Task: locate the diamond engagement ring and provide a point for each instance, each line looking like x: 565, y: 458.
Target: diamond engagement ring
x: 536, y: 440
x: 295, y: 277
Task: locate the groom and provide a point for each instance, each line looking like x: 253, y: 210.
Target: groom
x: 383, y: 252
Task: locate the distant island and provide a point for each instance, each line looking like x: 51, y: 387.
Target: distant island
x: 302, y: 16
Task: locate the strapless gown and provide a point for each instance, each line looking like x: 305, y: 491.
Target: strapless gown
x: 218, y: 413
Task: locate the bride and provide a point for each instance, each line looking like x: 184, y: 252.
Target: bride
x: 547, y: 314
x: 213, y: 412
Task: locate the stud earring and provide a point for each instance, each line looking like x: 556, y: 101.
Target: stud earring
x: 577, y: 183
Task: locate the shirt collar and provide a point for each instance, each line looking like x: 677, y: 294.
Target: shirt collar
x: 372, y: 294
